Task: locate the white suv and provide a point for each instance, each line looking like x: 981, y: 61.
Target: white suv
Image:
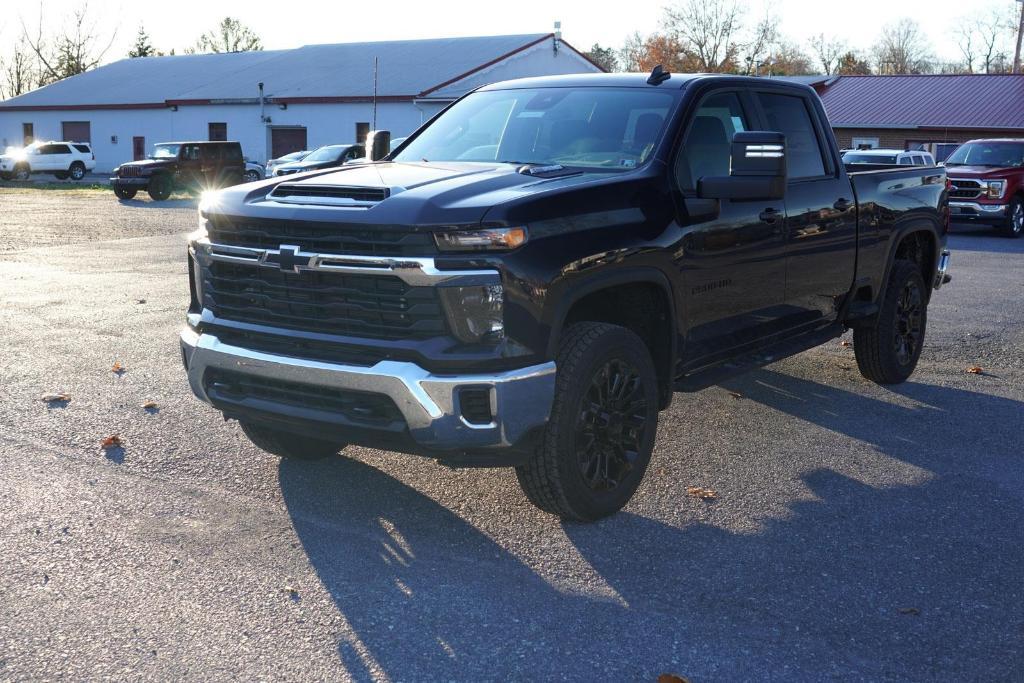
x: 62, y: 159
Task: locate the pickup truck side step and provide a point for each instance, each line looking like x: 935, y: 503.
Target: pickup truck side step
x: 738, y: 365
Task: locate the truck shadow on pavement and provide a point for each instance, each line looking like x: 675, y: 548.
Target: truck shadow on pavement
x: 903, y: 581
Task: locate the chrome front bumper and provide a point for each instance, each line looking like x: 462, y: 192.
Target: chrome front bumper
x: 976, y: 210
x: 520, y: 399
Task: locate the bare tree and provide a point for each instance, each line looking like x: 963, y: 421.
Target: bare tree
x: 18, y: 74
x: 902, y: 49
x: 231, y: 35
x: 993, y: 32
x: 78, y: 46
x: 966, y: 42
x: 708, y: 30
x: 829, y: 51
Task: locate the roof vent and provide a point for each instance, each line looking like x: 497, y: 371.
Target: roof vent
x: 329, y: 195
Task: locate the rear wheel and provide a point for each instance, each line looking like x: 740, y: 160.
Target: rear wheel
x: 77, y: 170
x: 251, y: 176
x: 288, y: 445
x: 600, y: 435
x: 125, y: 192
x: 1014, y: 226
x: 159, y: 188
x: 887, y: 352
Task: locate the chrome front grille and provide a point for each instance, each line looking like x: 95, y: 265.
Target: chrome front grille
x: 964, y: 188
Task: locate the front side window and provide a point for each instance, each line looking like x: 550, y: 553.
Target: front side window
x: 994, y: 154
x: 332, y: 153
x: 788, y: 115
x: 708, y: 144
x: 613, y: 129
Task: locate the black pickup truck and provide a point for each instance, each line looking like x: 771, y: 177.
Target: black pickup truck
x: 529, y: 277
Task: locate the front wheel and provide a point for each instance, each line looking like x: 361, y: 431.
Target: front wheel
x: 21, y: 172
x: 1014, y: 226
x: 125, y: 192
x: 599, y: 438
x: 288, y: 445
x: 887, y: 352
x: 159, y: 188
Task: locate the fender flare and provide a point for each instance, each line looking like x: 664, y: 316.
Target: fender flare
x: 607, y: 279
x: 898, y: 235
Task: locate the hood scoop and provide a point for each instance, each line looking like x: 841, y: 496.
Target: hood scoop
x: 329, y: 195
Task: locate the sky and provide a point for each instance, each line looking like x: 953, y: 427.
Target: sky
x: 178, y: 23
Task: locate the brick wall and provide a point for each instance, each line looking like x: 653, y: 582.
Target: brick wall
x: 891, y: 138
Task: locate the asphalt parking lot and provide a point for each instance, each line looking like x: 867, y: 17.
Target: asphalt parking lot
x: 859, y: 532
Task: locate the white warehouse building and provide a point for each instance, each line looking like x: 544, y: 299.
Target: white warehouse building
x: 311, y: 96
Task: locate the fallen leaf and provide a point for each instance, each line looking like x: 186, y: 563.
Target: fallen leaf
x: 735, y: 394
x: 140, y: 301
x: 118, y: 368
x: 909, y: 610
x: 672, y: 678
x: 55, y: 397
x: 150, y: 405
x: 293, y: 593
x: 112, y: 441
x: 975, y: 370
x: 701, y: 492
x: 845, y: 343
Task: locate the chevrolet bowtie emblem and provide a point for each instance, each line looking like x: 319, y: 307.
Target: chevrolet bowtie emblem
x: 287, y: 257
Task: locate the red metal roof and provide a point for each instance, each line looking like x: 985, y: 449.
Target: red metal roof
x: 930, y: 101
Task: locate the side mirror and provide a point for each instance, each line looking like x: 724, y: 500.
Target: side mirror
x: 378, y: 143
x: 757, y: 169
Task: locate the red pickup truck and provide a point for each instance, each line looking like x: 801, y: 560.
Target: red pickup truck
x: 988, y: 184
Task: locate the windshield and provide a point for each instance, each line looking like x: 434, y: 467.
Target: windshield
x: 995, y: 154
x: 332, y: 153
x: 854, y: 158
x: 165, y: 152
x: 613, y: 128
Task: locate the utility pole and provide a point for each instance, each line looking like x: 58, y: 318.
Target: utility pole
x: 1020, y: 33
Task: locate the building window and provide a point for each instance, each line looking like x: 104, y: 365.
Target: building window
x: 27, y: 133
x: 864, y: 143
x: 76, y: 131
x: 218, y: 132
x: 362, y: 130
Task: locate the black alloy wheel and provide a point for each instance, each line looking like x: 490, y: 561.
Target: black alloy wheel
x: 611, y: 426
x: 909, y: 329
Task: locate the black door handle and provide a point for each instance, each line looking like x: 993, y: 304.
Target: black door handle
x: 769, y: 215
x: 842, y: 205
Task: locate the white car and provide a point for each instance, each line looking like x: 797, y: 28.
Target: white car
x: 62, y: 159
x: 888, y: 157
x: 253, y: 172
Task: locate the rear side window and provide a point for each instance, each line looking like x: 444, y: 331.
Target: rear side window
x: 84, y: 149
x: 210, y: 152
x: 231, y: 152
x: 708, y: 143
x: 788, y: 114
x: 906, y: 161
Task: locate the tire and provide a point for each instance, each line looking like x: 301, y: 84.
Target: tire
x: 887, y: 352
x: 22, y: 172
x: 251, y: 177
x: 1014, y: 225
x: 125, y: 192
x: 288, y: 445
x: 77, y: 170
x: 61, y: 175
x: 566, y: 477
x: 159, y: 188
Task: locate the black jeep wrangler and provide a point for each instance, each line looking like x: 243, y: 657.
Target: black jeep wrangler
x: 180, y: 165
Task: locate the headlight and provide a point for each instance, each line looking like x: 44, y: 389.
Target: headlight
x: 996, y: 188
x: 475, y: 314
x: 486, y: 239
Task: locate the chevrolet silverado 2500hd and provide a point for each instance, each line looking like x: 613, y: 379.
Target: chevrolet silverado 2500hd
x: 529, y: 277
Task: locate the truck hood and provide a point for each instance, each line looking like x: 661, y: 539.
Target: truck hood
x: 149, y: 163
x: 981, y: 171
x: 419, y: 194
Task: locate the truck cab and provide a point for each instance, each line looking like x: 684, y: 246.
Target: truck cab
x: 988, y: 184
x: 529, y: 278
